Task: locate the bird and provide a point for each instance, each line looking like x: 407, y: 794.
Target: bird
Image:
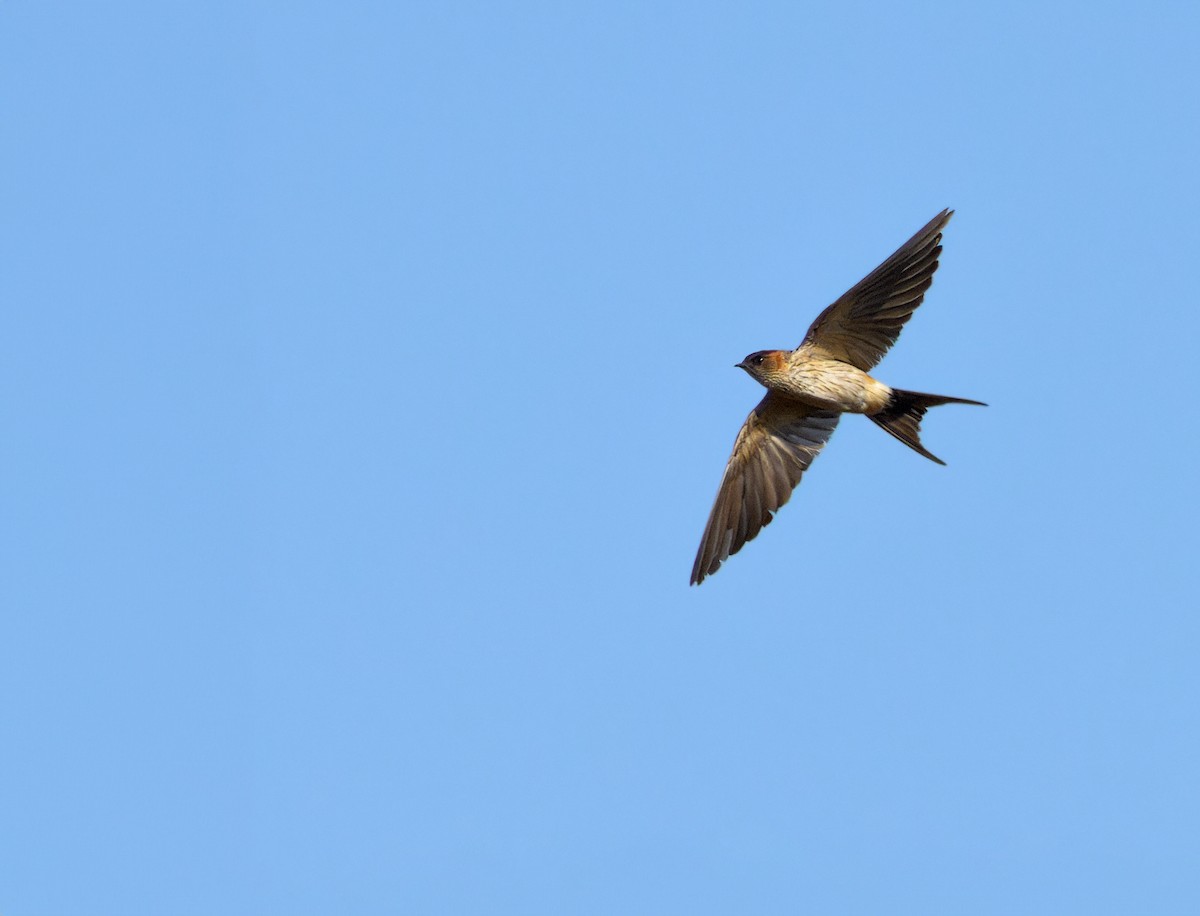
x: 810, y: 387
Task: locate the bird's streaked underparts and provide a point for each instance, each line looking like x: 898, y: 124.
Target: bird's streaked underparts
x: 809, y: 388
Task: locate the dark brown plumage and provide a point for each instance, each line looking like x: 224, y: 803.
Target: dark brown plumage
x: 866, y: 320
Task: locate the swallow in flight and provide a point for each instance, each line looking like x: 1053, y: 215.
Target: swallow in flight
x: 809, y: 388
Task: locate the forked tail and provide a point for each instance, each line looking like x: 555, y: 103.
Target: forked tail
x: 903, y: 414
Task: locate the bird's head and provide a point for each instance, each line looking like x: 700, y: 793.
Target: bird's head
x: 764, y: 365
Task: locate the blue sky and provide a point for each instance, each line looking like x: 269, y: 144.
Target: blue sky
x: 367, y: 380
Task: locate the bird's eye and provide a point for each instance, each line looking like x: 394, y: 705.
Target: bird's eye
x: 757, y: 359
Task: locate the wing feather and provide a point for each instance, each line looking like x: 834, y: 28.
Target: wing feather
x: 774, y: 448
x: 862, y: 325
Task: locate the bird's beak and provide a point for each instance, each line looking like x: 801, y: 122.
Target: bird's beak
x: 739, y: 365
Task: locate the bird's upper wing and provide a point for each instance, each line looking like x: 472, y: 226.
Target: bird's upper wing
x: 776, y: 445
x: 866, y: 320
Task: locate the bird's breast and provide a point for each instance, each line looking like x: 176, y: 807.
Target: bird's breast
x: 832, y: 384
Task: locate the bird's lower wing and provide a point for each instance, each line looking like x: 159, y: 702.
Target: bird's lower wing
x: 776, y: 445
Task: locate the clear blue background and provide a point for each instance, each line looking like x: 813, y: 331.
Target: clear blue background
x: 366, y: 381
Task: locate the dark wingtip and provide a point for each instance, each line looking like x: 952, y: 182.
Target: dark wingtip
x: 939, y: 221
